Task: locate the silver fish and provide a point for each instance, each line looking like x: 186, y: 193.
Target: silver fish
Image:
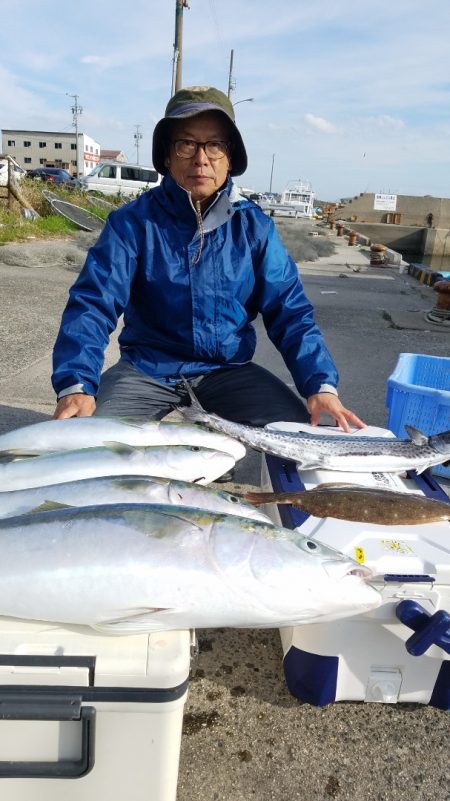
x: 137, y: 568
x: 92, y: 432
x: 173, y: 461
x: 345, y: 453
x: 127, y: 489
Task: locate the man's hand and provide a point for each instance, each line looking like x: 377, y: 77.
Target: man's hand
x: 327, y: 403
x: 76, y: 405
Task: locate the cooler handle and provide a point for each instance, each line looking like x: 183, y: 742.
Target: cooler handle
x: 14, y: 707
x: 428, y: 629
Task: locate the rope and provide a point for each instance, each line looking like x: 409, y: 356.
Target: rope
x: 201, y: 231
x: 438, y: 317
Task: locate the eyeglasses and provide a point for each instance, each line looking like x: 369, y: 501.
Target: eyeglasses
x: 214, y: 149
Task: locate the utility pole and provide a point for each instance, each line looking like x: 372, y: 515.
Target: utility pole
x: 178, y: 46
x: 231, y: 81
x: 76, y: 112
x: 271, y: 173
x: 137, y: 138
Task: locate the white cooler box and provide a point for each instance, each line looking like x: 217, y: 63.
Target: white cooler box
x: 373, y: 656
x: 90, y: 717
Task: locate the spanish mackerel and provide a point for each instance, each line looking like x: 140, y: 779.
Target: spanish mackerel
x: 91, y: 432
x: 173, y: 461
x: 346, y: 453
x: 127, y: 489
x: 361, y: 504
x: 138, y: 568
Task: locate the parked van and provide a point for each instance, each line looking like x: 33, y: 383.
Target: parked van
x: 16, y: 171
x: 114, y: 177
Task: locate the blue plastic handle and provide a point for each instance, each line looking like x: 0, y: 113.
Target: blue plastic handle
x: 428, y: 629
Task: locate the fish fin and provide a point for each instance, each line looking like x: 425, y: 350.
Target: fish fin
x: 195, y: 412
x: 17, y: 453
x: 131, y: 623
x: 420, y: 470
x: 171, y: 511
x: 179, y: 516
x: 137, y: 482
x: 133, y: 422
x: 416, y: 436
x: 49, y: 506
x: 319, y: 463
x: 337, y: 485
x: 192, y: 396
x: 121, y: 448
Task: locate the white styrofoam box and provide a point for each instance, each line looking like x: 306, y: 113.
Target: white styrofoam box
x: 364, y: 657
x: 129, y: 692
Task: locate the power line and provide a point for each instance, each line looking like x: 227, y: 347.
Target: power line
x: 217, y: 24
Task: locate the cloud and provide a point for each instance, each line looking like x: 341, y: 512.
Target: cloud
x: 99, y: 61
x: 320, y: 124
x: 386, y: 122
x: 331, y: 82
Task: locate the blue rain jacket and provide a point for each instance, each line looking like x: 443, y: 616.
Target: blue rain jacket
x: 185, y: 318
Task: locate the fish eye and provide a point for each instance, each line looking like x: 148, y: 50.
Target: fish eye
x: 195, y: 448
x: 233, y: 499
x: 309, y: 545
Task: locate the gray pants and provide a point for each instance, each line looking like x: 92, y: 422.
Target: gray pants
x: 247, y: 394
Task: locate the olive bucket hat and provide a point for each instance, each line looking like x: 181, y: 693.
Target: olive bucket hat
x: 188, y: 103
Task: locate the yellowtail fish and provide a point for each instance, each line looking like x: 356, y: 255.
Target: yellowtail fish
x: 361, y: 504
x: 197, y: 464
x: 345, y: 453
x: 124, y: 568
x: 91, y: 432
x: 127, y: 489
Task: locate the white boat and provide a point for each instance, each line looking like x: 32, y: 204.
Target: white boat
x: 299, y: 195
x: 297, y: 200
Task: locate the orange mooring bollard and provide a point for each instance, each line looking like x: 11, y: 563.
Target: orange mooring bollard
x: 340, y: 230
x: 332, y: 224
x: 352, y: 238
x: 377, y: 255
x: 443, y: 290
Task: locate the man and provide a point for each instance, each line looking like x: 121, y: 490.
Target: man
x: 190, y: 264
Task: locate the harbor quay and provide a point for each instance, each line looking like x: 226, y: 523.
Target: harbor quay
x: 245, y: 737
x: 416, y: 226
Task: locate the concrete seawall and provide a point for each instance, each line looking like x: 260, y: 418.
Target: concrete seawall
x: 404, y: 239
x: 410, y: 210
x: 410, y: 242
x: 419, y: 227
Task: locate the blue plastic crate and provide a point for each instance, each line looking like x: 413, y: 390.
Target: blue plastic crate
x: 418, y: 394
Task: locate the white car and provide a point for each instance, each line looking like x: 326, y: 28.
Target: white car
x: 117, y: 177
x: 18, y: 172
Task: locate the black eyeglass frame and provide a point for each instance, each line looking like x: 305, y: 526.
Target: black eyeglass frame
x: 204, y: 145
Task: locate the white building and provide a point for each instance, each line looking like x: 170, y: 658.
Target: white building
x: 33, y: 149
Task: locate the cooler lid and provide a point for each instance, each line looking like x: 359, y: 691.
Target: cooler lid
x: 420, y: 552
x: 34, y: 652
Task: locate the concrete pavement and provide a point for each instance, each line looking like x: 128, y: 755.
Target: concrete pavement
x: 245, y: 737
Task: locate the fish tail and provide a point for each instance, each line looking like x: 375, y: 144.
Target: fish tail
x: 195, y: 411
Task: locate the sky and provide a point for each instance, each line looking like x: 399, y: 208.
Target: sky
x: 353, y: 96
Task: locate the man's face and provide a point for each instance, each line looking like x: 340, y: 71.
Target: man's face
x: 200, y: 175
